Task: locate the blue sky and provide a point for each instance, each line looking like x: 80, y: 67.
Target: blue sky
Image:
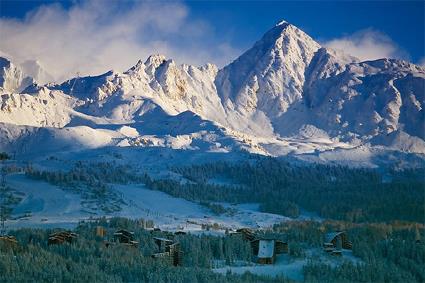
x: 200, y: 31
x: 401, y: 21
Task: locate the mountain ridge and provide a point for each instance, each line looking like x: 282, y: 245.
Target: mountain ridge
x: 283, y: 86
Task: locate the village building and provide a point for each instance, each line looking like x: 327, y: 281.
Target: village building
x: 338, y: 240
x: 247, y: 233
x: 125, y: 237
x: 175, y: 253
x: 335, y: 242
x: 61, y: 237
x: 266, y: 249
x: 328, y: 247
x: 100, y: 231
x: 152, y: 230
x: 266, y: 252
x: 145, y: 224
x: 168, y: 250
x: 162, y: 243
x: 8, y: 241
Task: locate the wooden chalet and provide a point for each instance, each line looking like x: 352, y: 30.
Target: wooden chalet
x: 162, y: 243
x: 61, y: 237
x: 100, y: 231
x: 125, y: 237
x: 266, y: 252
x: 247, y: 233
x: 266, y: 249
x: 337, y: 240
x: 153, y: 229
x: 175, y: 253
x: 168, y: 250
x: 145, y: 224
x: 328, y: 247
x: 8, y: 241
x: 281, y: 247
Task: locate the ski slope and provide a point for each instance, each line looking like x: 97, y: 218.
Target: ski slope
x: 46, y: 205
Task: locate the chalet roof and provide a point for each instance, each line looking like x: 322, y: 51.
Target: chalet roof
x: 330, y: 236
x: 268, y: 238
x: 10, y: 239
x: 162, y: 239
x: 163, y: 254
x: 67, y: 234
x: 123, y: 232
x: 174, y: 244
x: 266, y: 248
x: 244, y: 230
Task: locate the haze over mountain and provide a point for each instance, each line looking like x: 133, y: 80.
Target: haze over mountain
x: 285, y: 95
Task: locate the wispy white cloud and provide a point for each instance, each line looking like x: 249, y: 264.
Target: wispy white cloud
x: 368, y: 44
x: 94, y: 36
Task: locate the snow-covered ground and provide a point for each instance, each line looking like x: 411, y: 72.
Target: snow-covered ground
x: 47, y: 205
x: 288, y: 266
x: 172, y: 213
x: 284, y: 265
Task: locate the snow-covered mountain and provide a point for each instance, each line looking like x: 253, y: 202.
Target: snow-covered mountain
x: 285, y: 95
x: 16, y: 77
x: 270, y: 76
x: 12, y: 78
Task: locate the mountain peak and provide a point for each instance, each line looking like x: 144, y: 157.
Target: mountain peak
x: 281, y: 22
x: 152, y: 62
x: 269, y: 76
x: 155, y: 60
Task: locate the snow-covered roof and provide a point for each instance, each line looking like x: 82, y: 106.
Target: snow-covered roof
x: 330, y: 236
x: 162, y: 239
x: 266, y: 248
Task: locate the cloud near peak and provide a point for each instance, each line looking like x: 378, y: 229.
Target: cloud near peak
x: 368, y: 44
x: 91, y: 37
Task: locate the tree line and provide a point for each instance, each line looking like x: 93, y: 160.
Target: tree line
x: 335, y: 192
x: 89, y: 260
